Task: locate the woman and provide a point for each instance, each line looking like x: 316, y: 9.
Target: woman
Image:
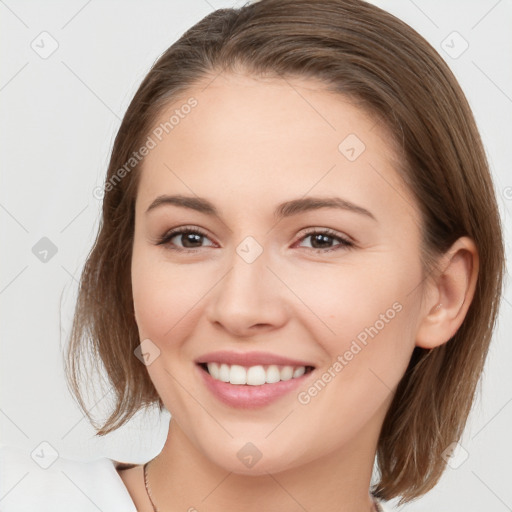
x: 300, y: 258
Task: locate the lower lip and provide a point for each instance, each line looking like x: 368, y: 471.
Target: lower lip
x: 245, y: 396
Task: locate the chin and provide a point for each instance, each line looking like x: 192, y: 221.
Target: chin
x: 245, y: 458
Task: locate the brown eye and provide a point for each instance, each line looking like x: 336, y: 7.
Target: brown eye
x: 191, y: 239
x: 185, y: 239
x: 321, y: 240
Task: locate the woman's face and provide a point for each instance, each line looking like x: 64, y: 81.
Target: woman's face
x: 259, y: 288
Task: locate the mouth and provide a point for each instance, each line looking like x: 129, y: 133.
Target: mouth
x: 257, y: 375
x: 251, y: 380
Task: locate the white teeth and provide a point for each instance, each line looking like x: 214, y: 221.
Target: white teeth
x: 213, y: 368
x: 286, y: 372
x: 299, y: 371
x: 223, y: 373
x: 254, y: 375
x: 273, y: 374
x: 237, y: 374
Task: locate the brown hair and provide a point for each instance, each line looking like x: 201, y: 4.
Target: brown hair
x: 378, y: 61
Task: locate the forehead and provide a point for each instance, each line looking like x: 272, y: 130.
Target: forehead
x: 253, y: 138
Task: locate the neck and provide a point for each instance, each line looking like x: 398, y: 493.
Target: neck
x: 182, y: 478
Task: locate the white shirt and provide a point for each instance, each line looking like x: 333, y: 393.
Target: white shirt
x: 64, y: 486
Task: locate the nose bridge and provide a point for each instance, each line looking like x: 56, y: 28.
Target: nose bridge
x: 248, y: 294
x: 247, y: 280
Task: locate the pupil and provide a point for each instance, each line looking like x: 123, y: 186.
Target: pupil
x: 191, y: 237
x: 322, y: 239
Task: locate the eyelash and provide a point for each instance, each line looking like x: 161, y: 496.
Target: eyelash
x: 344, y: 243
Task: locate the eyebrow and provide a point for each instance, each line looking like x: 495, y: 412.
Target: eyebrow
x: 286, y: 209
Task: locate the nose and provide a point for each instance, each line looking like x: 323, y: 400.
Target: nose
x: 249, y: 299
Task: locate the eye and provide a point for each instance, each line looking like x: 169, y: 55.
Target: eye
x: 190, y: 238
x: 321, y: 239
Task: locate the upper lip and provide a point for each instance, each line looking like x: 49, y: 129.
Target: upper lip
x: 249, y: 359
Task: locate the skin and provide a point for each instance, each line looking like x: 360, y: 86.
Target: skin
x: 247, y: 146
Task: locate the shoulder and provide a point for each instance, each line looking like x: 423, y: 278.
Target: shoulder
x: 43, y: 481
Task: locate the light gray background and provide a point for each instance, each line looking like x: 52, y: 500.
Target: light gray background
x: 59, y: 118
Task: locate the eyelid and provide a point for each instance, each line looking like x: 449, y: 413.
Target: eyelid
x: 327, y: 231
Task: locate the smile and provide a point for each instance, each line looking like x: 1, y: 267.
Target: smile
x: 253, y: 375
x: 252, y: 379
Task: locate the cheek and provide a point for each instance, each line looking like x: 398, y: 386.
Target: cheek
x: 369, y: 351
x: 367, y: 332
x: 167, y: 300
x: 166, y: 296
x: 357, y: 301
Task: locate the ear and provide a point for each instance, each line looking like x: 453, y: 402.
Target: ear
x: 450, y: 294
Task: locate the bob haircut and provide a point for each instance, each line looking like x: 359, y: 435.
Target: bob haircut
x: 386, y: 68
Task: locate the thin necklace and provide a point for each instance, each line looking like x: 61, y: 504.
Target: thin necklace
x: 146, y: 483
x: 376, y: 504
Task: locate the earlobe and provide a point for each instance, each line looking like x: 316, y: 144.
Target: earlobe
x: 451, y: 295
